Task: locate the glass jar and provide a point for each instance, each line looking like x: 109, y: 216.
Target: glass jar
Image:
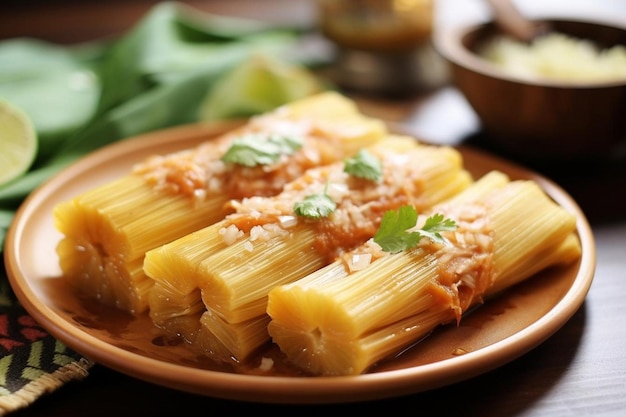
x: 377, y: 25
x: 382, y: 46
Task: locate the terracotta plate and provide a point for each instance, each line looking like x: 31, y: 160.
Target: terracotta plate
x: 492, y: 335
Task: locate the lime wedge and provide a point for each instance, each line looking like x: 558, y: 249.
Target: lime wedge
x: 18, y: 142
x: 260, y: 84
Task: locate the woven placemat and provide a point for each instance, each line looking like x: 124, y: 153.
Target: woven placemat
x: 32, y: 362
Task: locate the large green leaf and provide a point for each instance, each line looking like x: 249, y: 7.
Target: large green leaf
x: 56, y: 86
x: 174, y: 39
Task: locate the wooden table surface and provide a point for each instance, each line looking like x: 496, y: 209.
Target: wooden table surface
x: 579, y: 371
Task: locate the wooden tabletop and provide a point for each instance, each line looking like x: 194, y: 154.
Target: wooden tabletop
x: 579, y: 371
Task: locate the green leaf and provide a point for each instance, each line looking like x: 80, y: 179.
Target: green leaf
x: 12, y: 194
x: 56, y: 86
x: 258, y: 85
x: 364, y: 165
x: 394, y: 234
x: 257, y: 149
x: 315, y: 206
x: 436, y: 224
x: 173, y: 39
x: 6, y: 216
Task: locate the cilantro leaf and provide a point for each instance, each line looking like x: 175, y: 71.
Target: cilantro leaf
x: 394, y: 235
x: 436, y: 224
x: 315, y: 206
x: 364, y: 165
x: 257, y: 149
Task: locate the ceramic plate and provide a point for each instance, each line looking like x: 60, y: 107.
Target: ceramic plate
x: 494, y: 334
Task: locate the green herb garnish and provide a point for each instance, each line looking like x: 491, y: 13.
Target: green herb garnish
x: 364, y: 165
x: 394, y: 235
x: 315, y: 206
x: 256, y: 149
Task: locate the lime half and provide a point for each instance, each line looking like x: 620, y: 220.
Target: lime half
x: 18, y: 142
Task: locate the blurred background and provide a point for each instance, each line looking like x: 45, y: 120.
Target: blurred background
x: 75, y: 21
x: 70, y: 21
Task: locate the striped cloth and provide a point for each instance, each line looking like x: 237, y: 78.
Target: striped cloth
x: 32, y: 362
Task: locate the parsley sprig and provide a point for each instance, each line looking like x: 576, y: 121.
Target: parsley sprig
x: 257, y: 149
x: 394, y: 234
x: 364, y: 165
x: 315, y: 206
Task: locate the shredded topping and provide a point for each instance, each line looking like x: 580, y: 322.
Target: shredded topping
x: 201, y: 172
x: 466, y: 267
x: 360, y: 203
x: 465, y: 262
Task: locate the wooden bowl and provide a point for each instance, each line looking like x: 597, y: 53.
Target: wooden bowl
x: 540, y: 119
